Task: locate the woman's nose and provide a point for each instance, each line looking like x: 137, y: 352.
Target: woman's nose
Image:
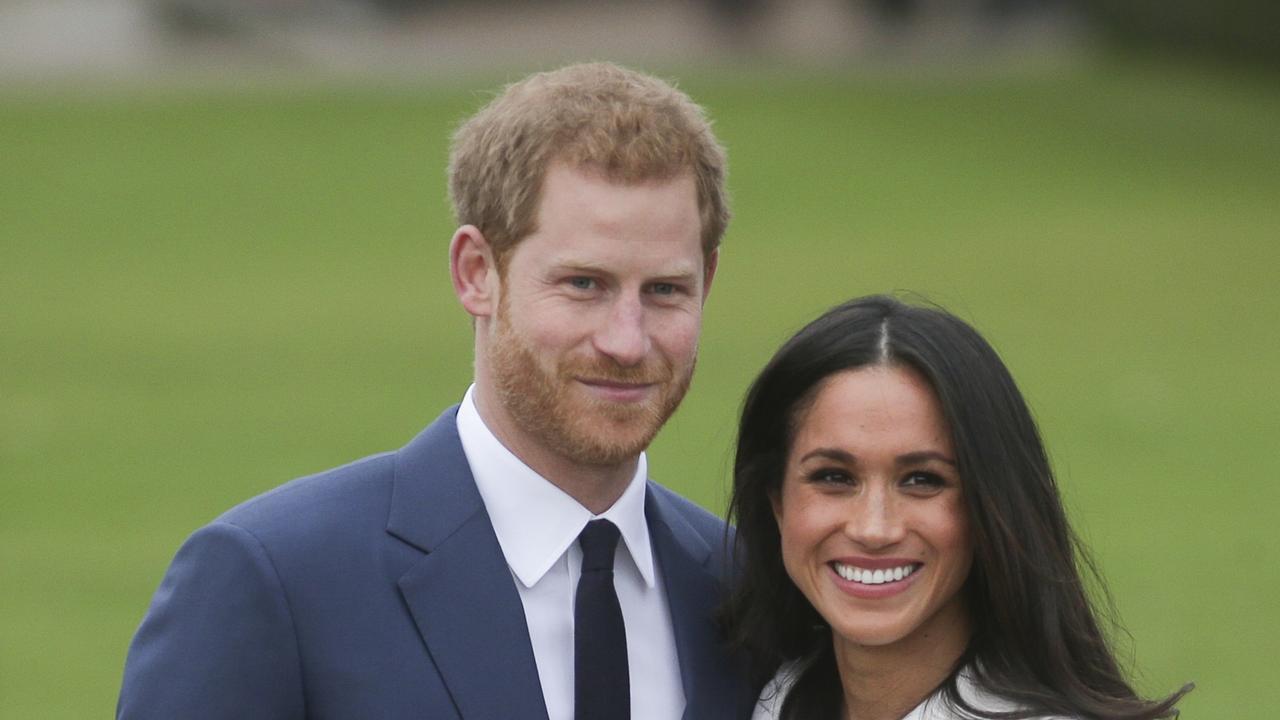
x: 876, y: 522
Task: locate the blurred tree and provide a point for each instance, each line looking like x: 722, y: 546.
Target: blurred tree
x: 1247, y: 29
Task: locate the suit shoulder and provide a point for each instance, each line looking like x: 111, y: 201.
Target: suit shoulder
x: 338, y: 495
x: 708, y: 525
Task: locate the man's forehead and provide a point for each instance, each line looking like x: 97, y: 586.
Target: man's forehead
x: 599, y: 176
x: 590, y: 222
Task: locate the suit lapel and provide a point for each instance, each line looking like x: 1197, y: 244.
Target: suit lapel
x: 461, y: 593
x: 712, y: 685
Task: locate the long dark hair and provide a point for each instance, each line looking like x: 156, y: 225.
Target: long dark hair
x: 1036, y: 638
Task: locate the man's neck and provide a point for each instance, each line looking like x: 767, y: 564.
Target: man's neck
x: 595, y: 487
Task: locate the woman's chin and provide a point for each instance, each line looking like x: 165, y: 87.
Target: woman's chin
x: 866, y: 635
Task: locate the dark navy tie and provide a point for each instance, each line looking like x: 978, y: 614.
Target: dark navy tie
x: 601, y: 685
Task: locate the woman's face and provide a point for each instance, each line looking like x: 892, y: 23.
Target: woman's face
x: 871, y: 512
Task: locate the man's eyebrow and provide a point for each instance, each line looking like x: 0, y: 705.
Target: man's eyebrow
x: 680, y: 272
x: 584, y: 268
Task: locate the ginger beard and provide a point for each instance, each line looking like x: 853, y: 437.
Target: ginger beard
x: 546, y: 400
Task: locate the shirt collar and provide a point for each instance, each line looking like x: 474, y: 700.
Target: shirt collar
x: 535, y: 521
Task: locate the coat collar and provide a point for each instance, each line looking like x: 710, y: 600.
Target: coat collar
x: 461, y: 593
x: 464, y: 601
x: 712, y: 678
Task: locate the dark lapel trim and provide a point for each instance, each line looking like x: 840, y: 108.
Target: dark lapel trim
x: 712, y: 685
x: 461, y: 594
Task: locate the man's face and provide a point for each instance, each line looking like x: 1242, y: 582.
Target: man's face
x: 596, y: 334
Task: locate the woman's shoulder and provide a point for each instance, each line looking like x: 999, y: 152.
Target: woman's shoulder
x: 769, y: 706
x: 935, y: 707
x: 978, y: 697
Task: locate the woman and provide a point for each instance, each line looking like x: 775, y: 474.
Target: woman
x: 907, y: 552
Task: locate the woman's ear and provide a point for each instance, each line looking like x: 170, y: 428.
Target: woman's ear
x: 775, y: 501
x: 474, y: 272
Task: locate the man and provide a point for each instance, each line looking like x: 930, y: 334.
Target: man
x: 513, y: 560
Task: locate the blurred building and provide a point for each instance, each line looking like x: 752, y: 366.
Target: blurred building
x: 40, y: 38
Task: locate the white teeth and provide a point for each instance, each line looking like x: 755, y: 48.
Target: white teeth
x: 873, y: 577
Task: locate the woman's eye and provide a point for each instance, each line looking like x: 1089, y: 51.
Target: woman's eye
x: 924, y: 480
x: 830, y: 476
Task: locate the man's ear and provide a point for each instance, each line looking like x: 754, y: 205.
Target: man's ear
x: 474, y: 272
x: 709, y: 272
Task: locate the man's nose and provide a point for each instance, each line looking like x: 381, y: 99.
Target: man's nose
x: 622, y: 334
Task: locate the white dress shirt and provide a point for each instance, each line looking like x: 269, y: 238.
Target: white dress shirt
x: 537, y: 525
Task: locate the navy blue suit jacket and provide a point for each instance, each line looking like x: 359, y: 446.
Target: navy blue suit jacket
x: 378, y: 590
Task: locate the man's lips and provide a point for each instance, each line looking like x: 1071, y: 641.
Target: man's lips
x: 618, y: 391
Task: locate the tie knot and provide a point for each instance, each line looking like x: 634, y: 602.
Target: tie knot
x: 599, y: 539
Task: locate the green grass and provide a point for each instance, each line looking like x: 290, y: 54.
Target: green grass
x: 204, y: 293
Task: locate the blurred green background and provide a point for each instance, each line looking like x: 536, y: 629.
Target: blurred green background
x: 206, y: 292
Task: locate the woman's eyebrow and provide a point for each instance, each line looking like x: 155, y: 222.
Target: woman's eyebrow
x: 911, y: 458
x: 920, y: 456
x: 836, y: 454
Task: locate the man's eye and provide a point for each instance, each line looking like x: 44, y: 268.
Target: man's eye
x: 663, y: 289
x: 582, y: 283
